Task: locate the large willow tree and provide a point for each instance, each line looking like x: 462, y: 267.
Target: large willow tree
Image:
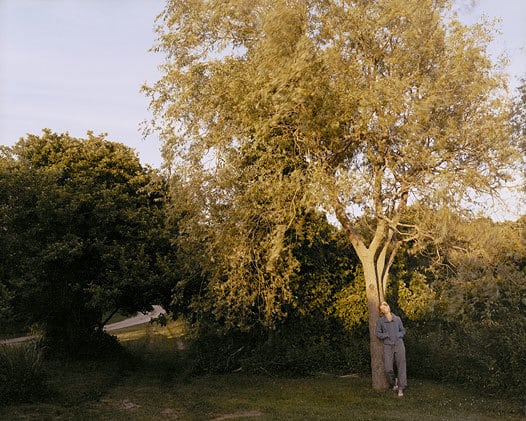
x: 360, y: 108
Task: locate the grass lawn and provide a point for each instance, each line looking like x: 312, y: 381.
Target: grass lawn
x: 157, y: 386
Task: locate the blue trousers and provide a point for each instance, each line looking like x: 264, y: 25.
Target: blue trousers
x: 395, y: 354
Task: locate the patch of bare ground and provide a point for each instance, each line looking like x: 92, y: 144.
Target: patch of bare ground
x: 170, y: 414
x: 124, y: 404
x: 237, y: 415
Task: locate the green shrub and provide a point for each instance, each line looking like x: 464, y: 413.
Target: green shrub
x: 22, y: 377
x: 301, y: 346
x: 82, y: 345
x: 489, y: 358
x: 311, y: 345
x: 213, y: 351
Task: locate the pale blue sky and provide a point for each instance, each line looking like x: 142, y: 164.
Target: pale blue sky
x: 77, y: 65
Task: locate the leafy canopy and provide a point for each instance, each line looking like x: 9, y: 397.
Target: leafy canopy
x: 359, y: 107
x: 82, y: 232
x: 390, y: 98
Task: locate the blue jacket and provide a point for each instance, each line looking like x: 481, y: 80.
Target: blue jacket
x: 390, y: 331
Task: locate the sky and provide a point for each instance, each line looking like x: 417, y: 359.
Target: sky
x: 78, y: 65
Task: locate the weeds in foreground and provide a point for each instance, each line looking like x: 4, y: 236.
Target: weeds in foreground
x: 22, y: 374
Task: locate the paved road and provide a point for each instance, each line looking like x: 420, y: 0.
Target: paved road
x: 136, y: 320
x: 139, y: 319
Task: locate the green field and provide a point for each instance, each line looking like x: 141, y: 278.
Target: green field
x: 155, y: 383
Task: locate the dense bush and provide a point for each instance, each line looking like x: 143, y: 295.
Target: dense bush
x: 299, y: 347
x: 309, y: 335
x: 490, y: 359
x: 22, y: 376
x: 307, y: 346
x: 97, y: 344
x: 464, y: 306
x: 475, y: 334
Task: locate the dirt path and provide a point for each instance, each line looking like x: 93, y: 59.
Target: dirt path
x: 139, y: 319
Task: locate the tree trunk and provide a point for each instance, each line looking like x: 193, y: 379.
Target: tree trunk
x: 374, y: 296
x: 374, y: 286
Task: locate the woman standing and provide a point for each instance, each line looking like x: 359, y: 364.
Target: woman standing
x: 390, y: 329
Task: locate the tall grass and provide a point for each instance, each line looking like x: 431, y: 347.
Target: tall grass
x: 22, y: 375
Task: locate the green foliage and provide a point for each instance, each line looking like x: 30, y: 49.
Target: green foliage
x: 300, y: 346
x: 82, y: 230
x: 330, y: 105
x: 22, y: 374
x: 6, y: 315
x: 417, y: 299
x: 469, y: 310
x: 326, y: 265
x: 490, y: 328
x: 488, y: 358
x: 316, y: 257
x: 305, y: 336
x: 350, y: 304
x: 254, y: 238
x: 308, y: 346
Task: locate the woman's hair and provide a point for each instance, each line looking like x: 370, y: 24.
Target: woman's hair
x: 381, y: 304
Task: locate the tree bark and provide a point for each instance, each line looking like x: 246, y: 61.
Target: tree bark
x: 374, y: 296
x: 374, y: 286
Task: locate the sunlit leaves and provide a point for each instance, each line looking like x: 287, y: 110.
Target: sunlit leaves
x: 417, y: 299
x: 283, y: 106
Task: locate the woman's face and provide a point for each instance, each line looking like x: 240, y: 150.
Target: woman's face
x: 384, y: 308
